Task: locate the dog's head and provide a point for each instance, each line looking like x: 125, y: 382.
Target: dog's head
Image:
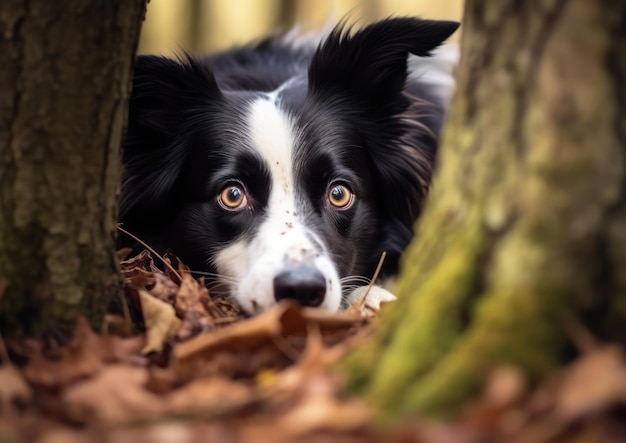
x: 292, y: 188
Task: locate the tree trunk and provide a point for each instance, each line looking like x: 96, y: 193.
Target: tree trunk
x: 64, y: 84
x: 524, y: 233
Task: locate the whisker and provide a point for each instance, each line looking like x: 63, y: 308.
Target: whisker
x: 214, y: 275
x: 348, y: 289
x: 355, y: 279
x: 145, y: 245
x: 219, y: 286
x: 360, y: 277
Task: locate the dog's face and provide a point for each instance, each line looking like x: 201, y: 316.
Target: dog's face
x: 288, y: 190
x: 288, y: 200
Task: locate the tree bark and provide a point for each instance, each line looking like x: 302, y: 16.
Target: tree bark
x: 64, y: 84
x: 524, y: 233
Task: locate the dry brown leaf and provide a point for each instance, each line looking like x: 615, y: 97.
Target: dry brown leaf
x: 114, y: 349
x: 367, y: 300
x: 215, y: 395
x: 14, y: 391
x: 285, y: 318
x: 160, y: 320
x: 142, y: 260
x: 595, y: 383
x: 163, y: 287
x: 191, y: 325
x: 189, y: 295
x: 505, y: 386
x: 239, y: 336
x: 307, y: 387
x: 79, y: 359
x: 138, y: 270
x: 138, y: 278
x: 117, y: 325
x: 325, y: 414
x: 115, y: 395
x: 326, y: 321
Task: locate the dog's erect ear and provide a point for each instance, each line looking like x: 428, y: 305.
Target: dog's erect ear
x: 371, y: 64
x: 163, y: 87
x: 164, y: 90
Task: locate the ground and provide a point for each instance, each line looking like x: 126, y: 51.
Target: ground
x: 197, y: 370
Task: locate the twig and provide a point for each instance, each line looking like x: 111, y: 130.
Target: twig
x: 145, y: 245
x: 373, y: 280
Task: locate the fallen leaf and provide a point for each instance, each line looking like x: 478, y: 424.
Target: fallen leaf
x: 325, y: 414
x: 191, y: 325
x: 189, y: 296
x: 14, y: 391
x: 117, y: 325
x: 160, y: 319
x: 285, y: 318
x: 163, y: 287
x: 239, y: 336
x: 326, y: 321
x: 115, y: 395
x: 78, y: 359
x: 367, y: 300
x: 114, y: 349
x: 215, y: 395
x: 143, y: 260
x: 594, y: 383
x: 505, y: 386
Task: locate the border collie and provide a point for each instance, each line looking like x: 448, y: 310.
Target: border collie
x: 285, y: 168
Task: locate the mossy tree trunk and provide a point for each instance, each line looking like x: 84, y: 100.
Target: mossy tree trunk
x: 525, y: 229
x: 64, y: 84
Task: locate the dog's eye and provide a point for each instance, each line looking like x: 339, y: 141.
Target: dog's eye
x: 340, y: 196
x: 233, y: 197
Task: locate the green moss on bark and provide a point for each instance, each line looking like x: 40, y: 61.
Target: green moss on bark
x: 524, y: 228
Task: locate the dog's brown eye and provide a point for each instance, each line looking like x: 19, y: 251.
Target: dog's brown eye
x: 233, y: 197
x: 340, y: 196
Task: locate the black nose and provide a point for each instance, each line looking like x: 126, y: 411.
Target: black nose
x: 305, y: 285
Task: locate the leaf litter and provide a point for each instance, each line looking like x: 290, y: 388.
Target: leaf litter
x: 201, y: 371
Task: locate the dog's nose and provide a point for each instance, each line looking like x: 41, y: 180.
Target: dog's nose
x: 305, y: 285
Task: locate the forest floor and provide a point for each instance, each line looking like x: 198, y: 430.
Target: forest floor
x: 202, y: 372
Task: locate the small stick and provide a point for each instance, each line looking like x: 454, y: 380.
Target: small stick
x: 373, y: 280
x: 145, y: 245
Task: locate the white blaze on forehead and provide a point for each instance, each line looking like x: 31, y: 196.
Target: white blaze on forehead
x: 272, y: 136
x: 281, y: 240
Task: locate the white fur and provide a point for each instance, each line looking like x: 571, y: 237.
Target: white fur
x: 436, y: 71
x: 282, y: 240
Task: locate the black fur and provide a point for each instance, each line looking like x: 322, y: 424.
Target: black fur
x: 359, y: 118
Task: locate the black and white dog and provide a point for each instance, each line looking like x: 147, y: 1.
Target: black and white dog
x: 284, y: 169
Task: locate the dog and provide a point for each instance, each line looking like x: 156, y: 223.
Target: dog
x: 284, y: 169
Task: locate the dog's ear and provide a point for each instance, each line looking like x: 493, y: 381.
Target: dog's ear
x: 371, y: 64
x: 164, y: 92
x: 364, y: 73
x: 163, y: 88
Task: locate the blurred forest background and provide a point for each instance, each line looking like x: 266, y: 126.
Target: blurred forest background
x: 201, y: 26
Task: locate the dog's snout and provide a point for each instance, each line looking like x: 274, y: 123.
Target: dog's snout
x: 305, y: 285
